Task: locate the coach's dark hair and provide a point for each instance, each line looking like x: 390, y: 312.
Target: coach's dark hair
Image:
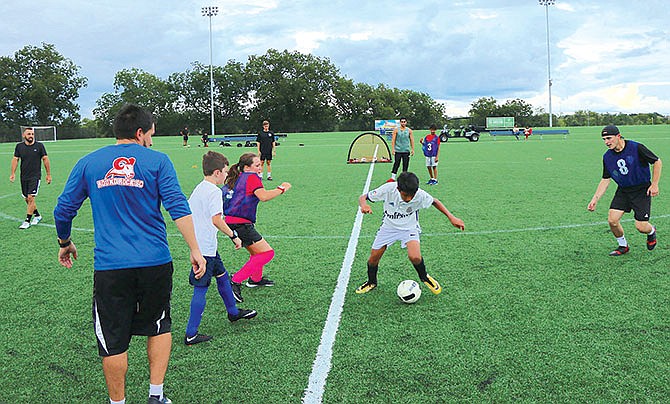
x: 131, y: 118
x: 408, y: 183
x: 246, y: 160
x: 212, y: 161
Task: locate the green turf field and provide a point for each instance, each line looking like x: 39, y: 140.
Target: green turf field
x: 533, y: 308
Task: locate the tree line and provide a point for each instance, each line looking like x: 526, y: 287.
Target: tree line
x: 296, y: 92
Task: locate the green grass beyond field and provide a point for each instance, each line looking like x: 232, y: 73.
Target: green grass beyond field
x: 533, y: 308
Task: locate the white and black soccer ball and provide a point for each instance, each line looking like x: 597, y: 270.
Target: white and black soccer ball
x: 409, y: 291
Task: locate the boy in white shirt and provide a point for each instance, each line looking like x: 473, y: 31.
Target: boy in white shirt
x: 206, y: 203
x: 402, y: 201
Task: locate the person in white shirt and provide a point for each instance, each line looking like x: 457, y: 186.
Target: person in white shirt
x: 402, y: 201
x: 206, y: 203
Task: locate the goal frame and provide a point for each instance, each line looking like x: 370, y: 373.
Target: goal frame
x: 42, y: 129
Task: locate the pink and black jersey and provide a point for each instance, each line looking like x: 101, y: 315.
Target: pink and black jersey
x: 240, y: 203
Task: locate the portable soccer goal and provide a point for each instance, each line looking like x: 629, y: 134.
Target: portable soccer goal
x: 369, y: 147
x: 43, y: 133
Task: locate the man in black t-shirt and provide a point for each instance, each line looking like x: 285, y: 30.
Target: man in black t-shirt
x: 265, y: 141
x: 31, y: 153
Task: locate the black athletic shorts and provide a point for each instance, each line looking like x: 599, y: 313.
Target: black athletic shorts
x: 633, y: 199
x: 266, y: 156
x: 247, y: 233
x: 127, y: 302
x: 30, y: 187
x: 214, y: 268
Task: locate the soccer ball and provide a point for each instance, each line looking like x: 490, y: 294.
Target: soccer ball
x: 409, y: 291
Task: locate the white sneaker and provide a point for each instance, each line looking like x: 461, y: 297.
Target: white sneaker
x: 24, y: 225
x: 36, y: 219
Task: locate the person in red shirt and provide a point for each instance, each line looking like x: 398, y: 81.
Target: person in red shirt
x: 242, y: 192
x: 431, y: 149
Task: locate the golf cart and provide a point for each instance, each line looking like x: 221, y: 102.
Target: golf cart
x: 470, y: 132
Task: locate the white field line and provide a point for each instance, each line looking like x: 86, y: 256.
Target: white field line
x: 322, y: 363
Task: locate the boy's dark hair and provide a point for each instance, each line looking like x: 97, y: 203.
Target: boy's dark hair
x: 131, y: 118
x: 433, y: 127
x: 408, y: 183
x: 212, y: 161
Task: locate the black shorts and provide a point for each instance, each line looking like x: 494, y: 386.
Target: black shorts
x: 636, y: 200
x: 266, y: 156
x: 30, y: 187
x: 127, y: 302
x: 214, y: 268
x: 247, y: 233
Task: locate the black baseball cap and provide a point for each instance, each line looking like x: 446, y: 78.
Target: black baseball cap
x: 610, y: 130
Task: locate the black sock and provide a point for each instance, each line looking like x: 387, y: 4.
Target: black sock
x: 36, y: 213
x: 372, y: 273
x: 28, y: 217
x: 421, y: 270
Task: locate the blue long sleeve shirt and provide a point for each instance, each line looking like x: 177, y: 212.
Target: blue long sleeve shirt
x: 126, y: 184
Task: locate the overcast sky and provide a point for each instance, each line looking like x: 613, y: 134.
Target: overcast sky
x: 606, y: 56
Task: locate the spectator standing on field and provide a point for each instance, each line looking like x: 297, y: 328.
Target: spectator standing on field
x: 206, y: 203
x: 205, y: 139
x: 265, y: 141
x: 32, y: 154
x: 402, y: 201
x: 132, y: 282
x: 627, y: 163
x: 431, y: 149
x: 402, y: 147
x: 241, y: 195
x: 184, y: 136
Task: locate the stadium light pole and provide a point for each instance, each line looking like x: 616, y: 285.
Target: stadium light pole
x: 210, y: 12
x: 546, y: 4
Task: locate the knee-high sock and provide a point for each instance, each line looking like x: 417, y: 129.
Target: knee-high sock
x: 226, y: 293
x: 421, y: 270
x: 254, y: 267
x: 372, y: 273
x: 198, y: 302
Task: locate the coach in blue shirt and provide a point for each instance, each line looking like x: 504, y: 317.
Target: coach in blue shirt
x: 127, y: 183
x: 627, y: 163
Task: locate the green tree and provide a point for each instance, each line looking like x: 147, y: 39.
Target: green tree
x: 482, y: 108
x: 295, y: 91
x: 39, y: 86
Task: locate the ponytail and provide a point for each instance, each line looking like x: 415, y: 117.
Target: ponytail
x: 246, y: 160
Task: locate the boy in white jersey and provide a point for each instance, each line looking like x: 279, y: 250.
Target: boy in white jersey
x: 206, y: 203
x: 402, y: 201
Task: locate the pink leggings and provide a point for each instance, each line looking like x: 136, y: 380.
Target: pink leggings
x: 254, y: 267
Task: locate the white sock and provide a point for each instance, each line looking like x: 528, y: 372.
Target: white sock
x: 269, y: 174
x: 393, y: 175
x: 653, y: 230
x: 622, y: 241
x: 117, y: 402
x: 156, y: 390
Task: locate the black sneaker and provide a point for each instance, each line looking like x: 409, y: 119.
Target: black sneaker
x: 237, y: 291
x: 243, y: 313
x: 156, y: 400
x: 651, y: 241
x: 196, y: 339
x: 263, y: 282
x: 620, y: 250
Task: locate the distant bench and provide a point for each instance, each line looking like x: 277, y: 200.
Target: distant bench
x: 509, y: 132
x: 249, y: 140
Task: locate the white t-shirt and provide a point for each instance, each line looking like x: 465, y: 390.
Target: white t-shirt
x: 206, y: 201
x: 399, y: 214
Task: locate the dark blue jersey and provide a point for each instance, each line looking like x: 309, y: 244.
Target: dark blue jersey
x: 127, y: 184
x: 629, y: 167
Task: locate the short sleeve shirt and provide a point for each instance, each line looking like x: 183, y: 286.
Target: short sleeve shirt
x: 399, y: 214
x: 265, y: 141
x: 31, y: 159
x: 206, y: 202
